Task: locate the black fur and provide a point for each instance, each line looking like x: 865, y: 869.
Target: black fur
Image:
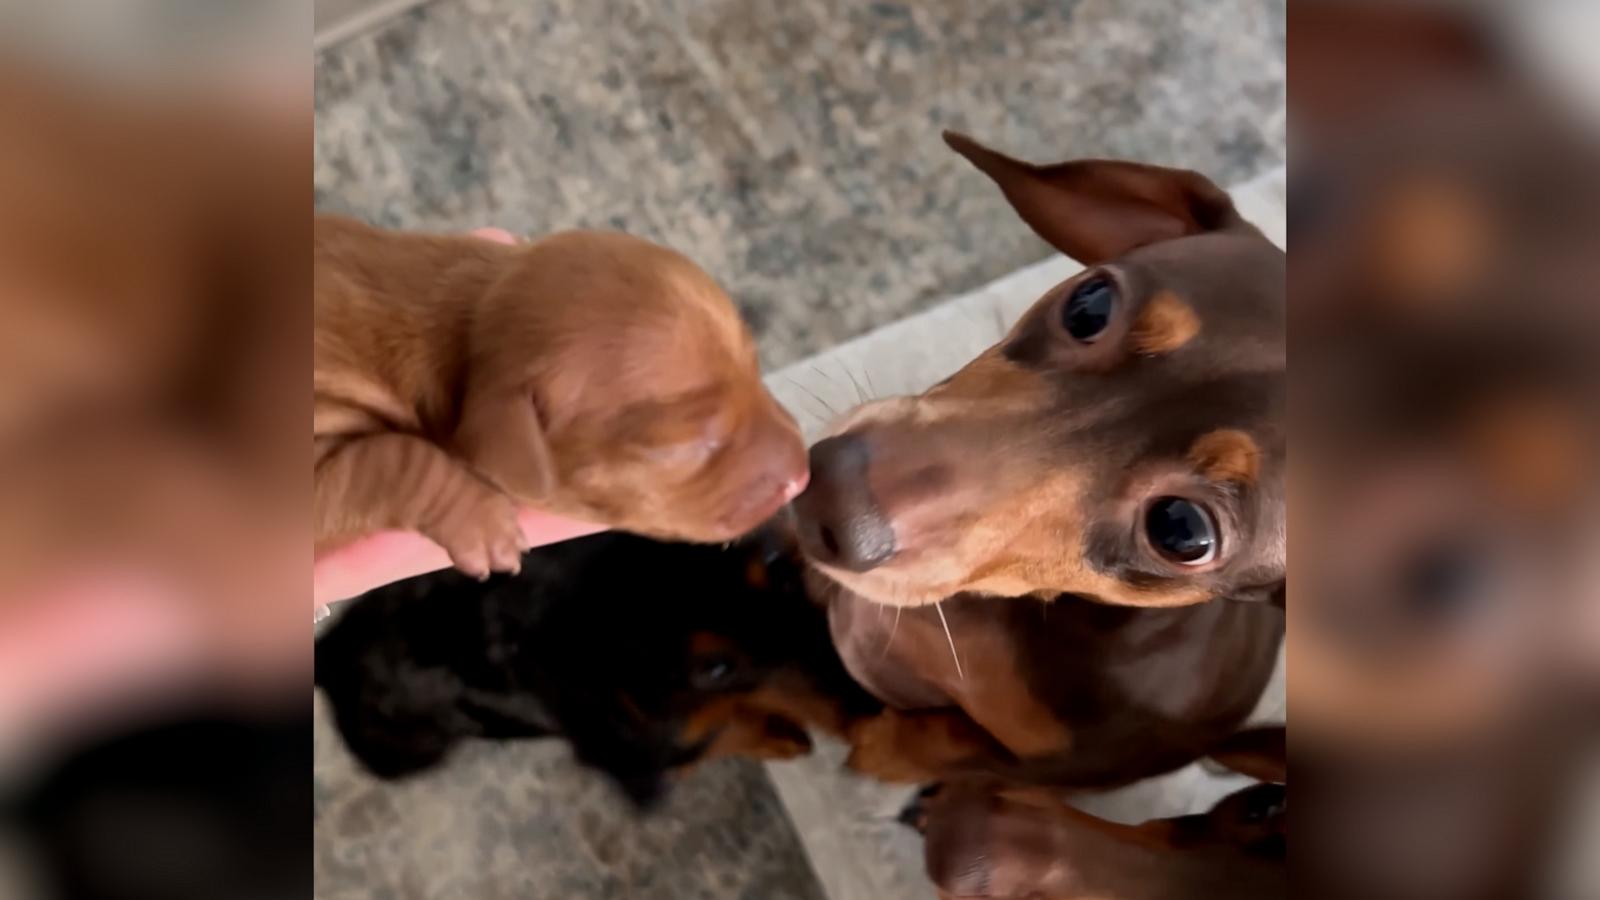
x: 193, y: 803
x: 591, y: 642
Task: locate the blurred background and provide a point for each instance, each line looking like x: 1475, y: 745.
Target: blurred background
x: 1442, y: 630
x: 791, y: 147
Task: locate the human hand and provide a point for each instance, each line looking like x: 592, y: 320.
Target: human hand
x: 378, y: 559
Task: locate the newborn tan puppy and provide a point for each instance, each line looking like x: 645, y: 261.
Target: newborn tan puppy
x: 591, y: 375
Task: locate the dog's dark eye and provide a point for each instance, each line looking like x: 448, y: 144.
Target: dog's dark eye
x: 1088, y: 311
x: 712, y: 673
x: 1181, y: 531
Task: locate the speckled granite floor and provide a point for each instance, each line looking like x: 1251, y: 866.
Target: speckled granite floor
x: 791, y: 147
x: 518, y: 820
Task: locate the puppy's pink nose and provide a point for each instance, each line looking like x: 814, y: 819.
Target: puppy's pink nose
x: 794, y: 486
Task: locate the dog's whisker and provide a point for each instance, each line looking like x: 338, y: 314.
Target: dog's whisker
x: 813, y: 395
x: 822, y: 416
x: 861, y: 396
x: 818, y: 369
x: 871, y: 390
x: 947, y: 636
x: 893, y: 629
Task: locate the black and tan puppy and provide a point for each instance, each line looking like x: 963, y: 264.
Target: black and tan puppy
x: 646, y: 657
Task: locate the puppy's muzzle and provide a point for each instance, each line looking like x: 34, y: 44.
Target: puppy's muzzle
x: 839, y: 522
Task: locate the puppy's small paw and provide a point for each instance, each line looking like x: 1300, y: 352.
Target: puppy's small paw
x: 483, y: 537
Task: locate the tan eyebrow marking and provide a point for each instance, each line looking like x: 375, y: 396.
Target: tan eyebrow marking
x: 1165, y: 324
x: 1532, y: 447
x: 1430, y: 240
x: 1226, y: 455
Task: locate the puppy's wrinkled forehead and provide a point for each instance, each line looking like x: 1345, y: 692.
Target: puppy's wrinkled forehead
x: 634, y: 320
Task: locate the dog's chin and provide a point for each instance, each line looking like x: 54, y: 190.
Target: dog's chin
x: 885, y: 586
x: 716, y: 528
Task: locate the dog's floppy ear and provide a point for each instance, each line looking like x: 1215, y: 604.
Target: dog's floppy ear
x: 1095, y: 210
x: 501, y: 435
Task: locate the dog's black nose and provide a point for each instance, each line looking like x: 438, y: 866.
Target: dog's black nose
x: 840, y: 523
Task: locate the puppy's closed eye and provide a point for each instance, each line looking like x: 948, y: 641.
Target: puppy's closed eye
x: 684, y: 454
x: 682, y: 433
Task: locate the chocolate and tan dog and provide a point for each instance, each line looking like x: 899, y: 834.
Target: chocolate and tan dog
x: 589, y: 374
x: 1071, y: 500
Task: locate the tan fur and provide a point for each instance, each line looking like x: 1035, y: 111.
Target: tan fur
x: 1430, y: 241
x: 1165, y: 324
x: 589, y: 374
x: 1227, y: 455
x: 768, y: 723
x: 915, y: 747
x: 1532, y: 449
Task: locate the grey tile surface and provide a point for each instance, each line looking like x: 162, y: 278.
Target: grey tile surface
x: 521, y: 820
x: 792, y: 148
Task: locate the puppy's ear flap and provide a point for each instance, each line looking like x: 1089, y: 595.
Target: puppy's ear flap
x: 1095, y: 210
x: 501, y: 434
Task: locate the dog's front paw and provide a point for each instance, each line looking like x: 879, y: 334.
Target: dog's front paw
x: 482, y: 536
